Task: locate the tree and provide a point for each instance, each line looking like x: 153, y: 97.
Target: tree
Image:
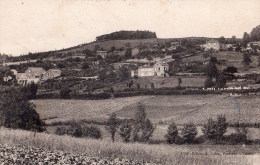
x: 85, y: 66
x: 17, y: 112
x: 189, y: 132
x: 255, y: 33
x: 258, y: 60
x: 211, y: 69
x: 246, y: 39
x: 179, y: 81
x: 125, y: 130
x: 221, y: 81
x: 143, y: 128
x: 112, y: 125
x: 128, y: 53
x: 222, y: 39
x: 230, y: 70
x: 172, y: 133
x: 246, y: 60
x: 33, y: 88
x: 65, y: 93
x: 147, y: 130
x: 233, y: 39
x: 123, y: 73
x: 152, y: 85
x: 112, y: 49
x: 214, y: 130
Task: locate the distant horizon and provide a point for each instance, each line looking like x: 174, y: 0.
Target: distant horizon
x: 115, y: 40
x: 61, y: 24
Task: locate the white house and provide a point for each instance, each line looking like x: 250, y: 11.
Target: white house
x: 158, y: 69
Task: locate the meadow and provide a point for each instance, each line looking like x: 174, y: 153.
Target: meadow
x: 160, y: 109
x: 159, y: 154
x: 198, y: 108
x: 56, y: 110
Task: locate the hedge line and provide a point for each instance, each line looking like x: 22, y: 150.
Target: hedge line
x: 142, y: 92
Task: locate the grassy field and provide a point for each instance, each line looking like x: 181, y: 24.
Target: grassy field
x: 161, y: 109
x: 198, y: 108
x: 160, y: 154
x: 66, y: 110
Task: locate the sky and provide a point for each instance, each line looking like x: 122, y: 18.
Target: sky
x: 44, y: 25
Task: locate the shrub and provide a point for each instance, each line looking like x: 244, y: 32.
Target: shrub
x: 75, y: 130
x: 79, y: 130
x: 93, y: 132
x: 65, y: 93
x: 239, y: 137
x: 172, y: 133
x: 214, y: 130
x: 60, y: 131
x: 189, y: 133
x: 125, y: 130
x: 178, y: 140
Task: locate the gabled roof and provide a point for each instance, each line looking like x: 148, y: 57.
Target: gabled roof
x: 36, y: 69
x: 212, y: 41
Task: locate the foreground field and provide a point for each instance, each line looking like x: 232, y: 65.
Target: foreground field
x: 66, y: 110
x: 98, y: 149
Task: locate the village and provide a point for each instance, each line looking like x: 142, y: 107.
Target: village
x: 168, y: 61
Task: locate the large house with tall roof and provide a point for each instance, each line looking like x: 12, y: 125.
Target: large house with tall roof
x: 35, y: 75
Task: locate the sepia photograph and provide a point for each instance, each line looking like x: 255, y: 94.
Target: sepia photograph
x: 130, y: 82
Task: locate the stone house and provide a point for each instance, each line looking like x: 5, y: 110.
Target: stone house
x: 51, y: 73
x: 103, y: 54
x: 35, y: 75
x: 212, y: 44
x: 159, y: 69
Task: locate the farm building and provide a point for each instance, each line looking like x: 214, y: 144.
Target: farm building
x: 103, y: 54
x: 51, y: 73
x: 35, y: 75
x: 119, y: 53
x: 212, y: 44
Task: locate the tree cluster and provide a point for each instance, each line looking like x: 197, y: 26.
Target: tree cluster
x: 123, y: 35
x: 17, y: 112
x: 140, y: 128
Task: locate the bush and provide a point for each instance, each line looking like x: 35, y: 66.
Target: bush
x: 172, y: 133
x: 65, y: 93
x: 214, y: 130
x: 189, y: 133
x: 60, y: 131
x: 178, y: 140
x: 79, y: 130
x: 125, y: 130
x: 93, y: 132
x: 239, y: 137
